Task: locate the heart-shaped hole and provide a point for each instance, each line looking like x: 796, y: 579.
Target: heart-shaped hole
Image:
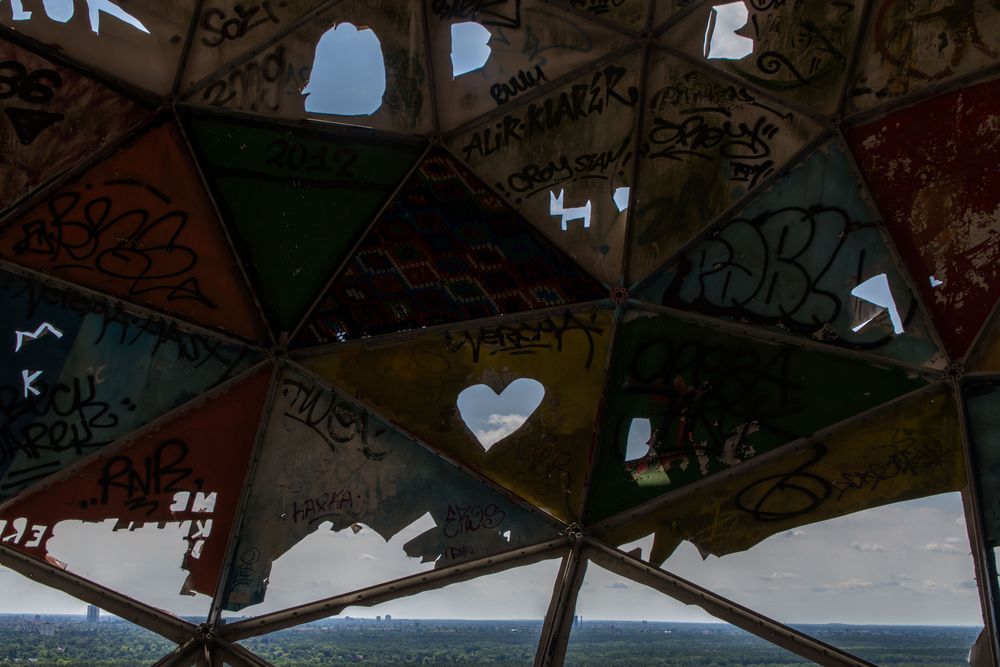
x: 492, y: 417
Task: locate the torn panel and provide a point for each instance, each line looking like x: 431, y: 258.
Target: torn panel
x: 485, y: 60
x: 78, y: 374
x: 177, y: 474
x: 53, y: 118
x: 805, y: 257
x: 569, y: 196
x: 137, y: 41
x: 327, y: 464
x: 543, y: 461
x: 913, y: 45
x: 297, y: 200
x: 140, y: 226
x: 446, y: 250
x: 706, y: 143
x: 360, y: 63
x: 793, y: 50
x: 714, y: 400
x: 912, y: 451
x: 932, y: 172
x: 982, y: 408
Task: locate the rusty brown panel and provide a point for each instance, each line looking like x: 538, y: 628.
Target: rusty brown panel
x: 228, y: 28
x: 53, y: 118
x: 914, y: 44
x: 175, y: 474
x: 989, y: 359
x: 530, y: 45
x: 796, y: 50
x: 706, y: 143
x: 139, y: 225
x: 279, y: 81
x: 139, y: 42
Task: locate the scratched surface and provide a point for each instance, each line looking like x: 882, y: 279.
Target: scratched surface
x: 297, y: 200
x: 53, y: 118
x: 933, y: 174
x: 578, y: 140
x: 800, y: 50
x: 138, y: 42
x: 531, y: 43
x: 107, y: 374
x: 178, y: 474
x: 274, y: 82
x: 706, y: 143
x: 545, y: 460
x: 327, y: 464
x: 139, y: 225
x: 982, y: 406
x: 228, y: 29
x: 914, y: 44
x: 790, y: 260
x: 714, y: 400
x: 913, y: 451
x: 446, y: 250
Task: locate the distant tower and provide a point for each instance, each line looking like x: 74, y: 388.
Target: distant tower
x: 93, y: 613
x: 388, y: 617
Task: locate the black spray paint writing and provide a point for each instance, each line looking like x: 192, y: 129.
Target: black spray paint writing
x: 505, y: 91
x: 534, y: 178
x: 223, y: 28
x: 333, y: 419
x: 526, y: 338
x: 471, y: 519
x: 35, y: 87
x: 129, y: 481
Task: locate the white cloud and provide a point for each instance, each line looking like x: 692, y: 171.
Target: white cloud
x: 867, y: 546
x: 794, y: 532
x: 502, y: 426
x: 617, y: 584
x: 775, y: 576
x: 941, y: 548
x: 366, y: 557
x: 849, y: 585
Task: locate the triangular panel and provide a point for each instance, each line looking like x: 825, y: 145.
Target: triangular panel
x: 297, y: 200
x: 989, y: 357
x: 794, y: 258
x: 139, y: 43
x: 176, y: 474
x: 912, y: 451
x: 139, y: 225
x: 794, y: 50
x: 545, y: 460
x: 529, y: 45
x: 706, y: 143
x: 53, y: 118
x: 982, y: 407
x: 326, y: 461
x: 446, y: 250
x: 711, y: 400
x: 98, y: 372
x: 933, y: 174
x: 361, y: 62
x: 570, y: 196
x: 915, y: 45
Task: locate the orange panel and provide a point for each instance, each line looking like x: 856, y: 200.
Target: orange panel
x: 139, y: 225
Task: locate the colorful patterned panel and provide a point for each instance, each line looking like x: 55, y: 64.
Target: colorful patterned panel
x: 139, y: 42
x: 328, y: 463
x: 545, y: 460
x: 361, y: 62
x: 139, y: 225
x: 177, y: 474
x: 575, y: 196
x: 298, y: 201
x: 446, y: 250
x: 794, y: 50
x: 915, y: 44
x: 77, y: 374
x: 792, y: 260
x: 229, y: 28
x: 534, y: 44
x: 933, y: 173
x: 705, y: 144
x: 982, y: 407
x: 714, y: 400
x: 53, y: 118
x: 914, y: 450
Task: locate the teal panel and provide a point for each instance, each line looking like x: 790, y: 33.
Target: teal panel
x: 107, y: 374
x: 982, y: 405
x: 790, y: 259
x: 714, y: 400
x: 297, y: 201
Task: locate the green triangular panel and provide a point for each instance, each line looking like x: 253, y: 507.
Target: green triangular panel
x: 714, y: 400
x: 297, y: 201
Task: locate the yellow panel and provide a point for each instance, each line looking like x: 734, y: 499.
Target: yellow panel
x: 989, y: 358
x: 417, y: 383
x: 913, y: 451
